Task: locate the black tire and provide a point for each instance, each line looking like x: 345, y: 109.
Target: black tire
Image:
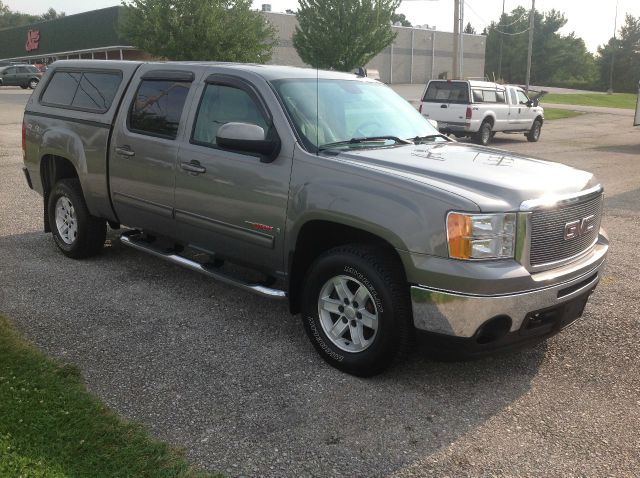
x: 24, y: 87
x: 33, y: 83
x: 483, y: 136
x: 90, y: 231
x: 383, y: 278
x: 534, y: 133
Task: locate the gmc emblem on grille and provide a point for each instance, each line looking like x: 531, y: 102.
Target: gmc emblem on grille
x: 579, y: 228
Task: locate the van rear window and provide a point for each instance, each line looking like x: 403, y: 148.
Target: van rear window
x: 447, y: 92
x: 82, y: 90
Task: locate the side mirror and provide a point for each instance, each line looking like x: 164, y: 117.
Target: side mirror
x: 433, y: 123
x: 247, y: 138
x: 530, y: 104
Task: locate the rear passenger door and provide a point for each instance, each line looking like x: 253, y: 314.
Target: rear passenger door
x: 144, y: 150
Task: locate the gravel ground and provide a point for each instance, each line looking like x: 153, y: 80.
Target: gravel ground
x: 232, y: 379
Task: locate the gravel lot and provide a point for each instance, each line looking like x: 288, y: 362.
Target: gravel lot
x: 232, y: 379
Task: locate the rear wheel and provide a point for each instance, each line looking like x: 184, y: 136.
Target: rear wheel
x: 33, y: 83
x: 483, y: 136
x: 534, y: 133
x: 24, y: 87
x: 76, y: 233
x: 355, y: 307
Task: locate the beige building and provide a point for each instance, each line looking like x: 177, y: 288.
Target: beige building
x: 416, y: 56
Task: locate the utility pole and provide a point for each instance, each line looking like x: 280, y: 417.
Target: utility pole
x: 531, y: 18
x: 501, y: 42
x: 456, y: 36
x: 461, y: 47
x: 613, y: 51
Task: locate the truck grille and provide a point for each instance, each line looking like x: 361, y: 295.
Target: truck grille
x: 547, y: 231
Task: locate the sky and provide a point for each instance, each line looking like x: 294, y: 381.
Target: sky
x: 591, y: 20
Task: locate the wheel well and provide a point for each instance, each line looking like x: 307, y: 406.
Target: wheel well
x: 539, y: 118
x: 52, y: 169
x: 316, y: 237
x: 489, y: 119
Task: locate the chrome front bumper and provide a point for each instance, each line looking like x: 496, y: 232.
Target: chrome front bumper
x: 461, y: 315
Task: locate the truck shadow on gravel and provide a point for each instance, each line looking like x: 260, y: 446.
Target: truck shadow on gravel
x: 231, y: 377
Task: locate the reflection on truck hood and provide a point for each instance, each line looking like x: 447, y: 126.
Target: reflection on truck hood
x: 494, y: 179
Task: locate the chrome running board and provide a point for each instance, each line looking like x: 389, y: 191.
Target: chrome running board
x: 128, y: 239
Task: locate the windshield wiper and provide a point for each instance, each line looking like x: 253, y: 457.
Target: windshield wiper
x: 365, y: 139
x: 419, y: 139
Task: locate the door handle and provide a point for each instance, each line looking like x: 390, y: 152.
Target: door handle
x: 125, y: 151
x: 193, y: 167
x: 443, y: 106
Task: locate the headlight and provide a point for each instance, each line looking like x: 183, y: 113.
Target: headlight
x: 481, y: 236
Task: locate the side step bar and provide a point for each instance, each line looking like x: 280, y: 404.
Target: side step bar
x: 128, y: 239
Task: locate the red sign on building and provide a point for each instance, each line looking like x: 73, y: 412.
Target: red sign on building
x: 33, y: 40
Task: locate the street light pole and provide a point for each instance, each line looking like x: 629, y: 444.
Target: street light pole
x: 529, y: 53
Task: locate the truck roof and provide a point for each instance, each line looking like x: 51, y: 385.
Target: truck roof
x: 268, y: 72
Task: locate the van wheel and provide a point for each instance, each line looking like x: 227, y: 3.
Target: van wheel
x: 355, y: 308
x: 33, y: 83
x: 76, y: 233
x: 534, y: 133
x: 483, y: 136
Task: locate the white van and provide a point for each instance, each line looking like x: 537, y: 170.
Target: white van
x: 479, y: 109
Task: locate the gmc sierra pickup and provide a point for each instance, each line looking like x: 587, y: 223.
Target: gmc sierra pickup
x: 347, y: 202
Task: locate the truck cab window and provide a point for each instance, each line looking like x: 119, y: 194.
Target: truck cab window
x: 522, y: 98
x: 222, y: 104
x: 157, y: 107
x: 514, y: 97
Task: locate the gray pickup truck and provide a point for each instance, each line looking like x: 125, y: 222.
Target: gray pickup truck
x: 329, y: 191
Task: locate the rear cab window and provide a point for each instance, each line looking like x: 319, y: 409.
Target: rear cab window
x: 84, y: 90
x: 488, y: 96
x: 157, y: 107
x: 447, y: 92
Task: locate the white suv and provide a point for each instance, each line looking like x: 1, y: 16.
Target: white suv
x: 480, y: 108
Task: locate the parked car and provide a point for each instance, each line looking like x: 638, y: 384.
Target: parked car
x: 480, y: 109
x: 376, y: 228
x: 24, y: 76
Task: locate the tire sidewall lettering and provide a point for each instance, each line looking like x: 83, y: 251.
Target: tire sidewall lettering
x: 363, y: 279
x: 323, y: 345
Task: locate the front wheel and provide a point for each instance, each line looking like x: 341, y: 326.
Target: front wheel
x: 355, y: 307
x: 534, y: 133
x: 76, y: 233
x: 33, y: 83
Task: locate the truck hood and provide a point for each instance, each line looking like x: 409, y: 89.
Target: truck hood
x: 495, y: 180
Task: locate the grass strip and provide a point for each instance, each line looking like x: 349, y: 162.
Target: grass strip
x: 616, y: 100
x: 551, y: 114
x: 51, y: 426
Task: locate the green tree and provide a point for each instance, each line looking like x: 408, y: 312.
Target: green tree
x: 343, y: 34
x: 557, y: 60
x: 626, y: 50
x: 469, y: 29
x: 9, y: 18
x: 52, y: 14
x: 208, y: 30
x: 400, y: 17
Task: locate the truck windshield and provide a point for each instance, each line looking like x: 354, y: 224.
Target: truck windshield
x: 339, y: 112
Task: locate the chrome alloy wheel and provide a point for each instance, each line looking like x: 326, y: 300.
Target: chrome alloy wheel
x: 66, y: 221
x: 348, y: 313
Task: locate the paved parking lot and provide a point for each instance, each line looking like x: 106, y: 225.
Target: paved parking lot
x: 233, y: 380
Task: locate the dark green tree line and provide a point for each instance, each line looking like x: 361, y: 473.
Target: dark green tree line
x: 10, y: 18
x: 557, y: 59
x: 626, y: 51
